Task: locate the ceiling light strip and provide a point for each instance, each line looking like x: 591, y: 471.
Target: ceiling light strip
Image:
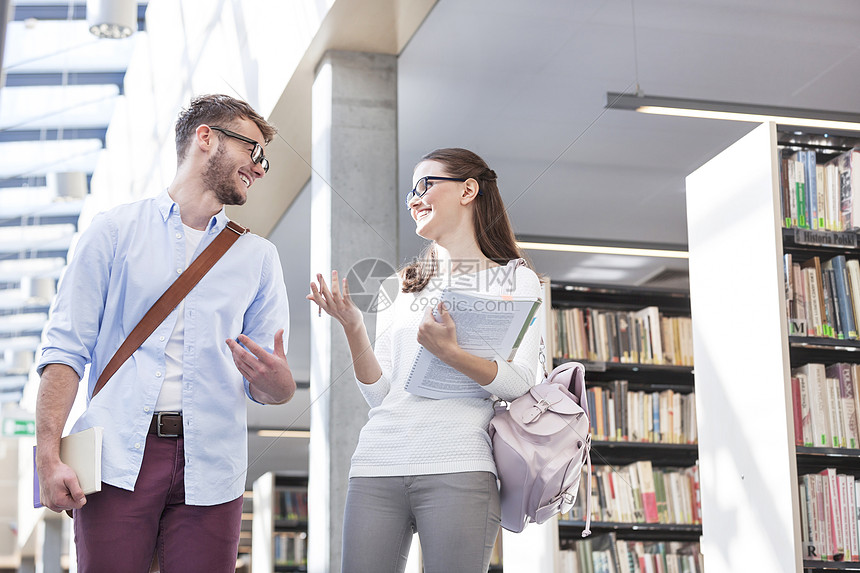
x: 603, y: 250
x: 730, y: 111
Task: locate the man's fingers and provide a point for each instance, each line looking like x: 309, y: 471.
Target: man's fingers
x: 75, y: 492
x: 253, y: 347
x: 279, y: 344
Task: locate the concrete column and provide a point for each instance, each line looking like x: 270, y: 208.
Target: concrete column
x: 28, y: 565
x: 49, y: 554
x: 353, y: 218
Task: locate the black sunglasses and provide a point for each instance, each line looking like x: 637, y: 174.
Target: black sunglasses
x: 256, y: 153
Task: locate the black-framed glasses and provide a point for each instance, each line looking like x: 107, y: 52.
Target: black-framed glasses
x: 257, y: 155
x: 426, y: 183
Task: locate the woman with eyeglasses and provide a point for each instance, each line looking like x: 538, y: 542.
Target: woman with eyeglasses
x: 426, y: 465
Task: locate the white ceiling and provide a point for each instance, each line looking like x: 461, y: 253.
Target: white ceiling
x: 524, y: 85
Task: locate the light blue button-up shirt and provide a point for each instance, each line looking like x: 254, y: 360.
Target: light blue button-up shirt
x: 122, y: 264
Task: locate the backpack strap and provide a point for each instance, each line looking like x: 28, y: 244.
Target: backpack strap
x: 578, y: 390
x: 576, y: 386
x: 171, y: 299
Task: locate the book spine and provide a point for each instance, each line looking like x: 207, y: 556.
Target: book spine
x: 849, y: 413
x: 789, y: 204
x: 815, y: 326
x: 648, y: 492
x: 831, y: 503
x: 805, y: 411
x: 832, y: 318
x: 844, y: 506
x: 843, y: 300
x: 796, y: 411
x: 821, y: 192
x: 845, y: 191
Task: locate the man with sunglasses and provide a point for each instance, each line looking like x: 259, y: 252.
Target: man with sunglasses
x: 175, y: 438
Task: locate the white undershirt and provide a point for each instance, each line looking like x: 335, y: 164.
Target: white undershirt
x: 170, y: 398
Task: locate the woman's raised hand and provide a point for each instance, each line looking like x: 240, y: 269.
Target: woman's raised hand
x: 336, y: 301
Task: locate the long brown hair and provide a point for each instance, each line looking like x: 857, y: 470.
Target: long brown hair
x: 493, y: 229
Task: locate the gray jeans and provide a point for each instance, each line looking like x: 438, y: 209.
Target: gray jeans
x: 456, y: 516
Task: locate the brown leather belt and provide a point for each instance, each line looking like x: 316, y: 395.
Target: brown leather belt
x: 166, y: 424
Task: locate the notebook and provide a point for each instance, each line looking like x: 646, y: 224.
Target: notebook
x: 81, y: 451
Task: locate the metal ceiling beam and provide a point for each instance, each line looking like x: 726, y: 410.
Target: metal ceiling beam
x: 4, y: 21
x: 26, y: 307
x: 40, y: 220
x: 25, y: 332
x: 36, y: 79
x: 35, y: 254
x: 35, y: 181
x: 49, y: 11
x: 53, y: 134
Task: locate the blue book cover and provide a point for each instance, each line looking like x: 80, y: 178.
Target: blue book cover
x: 655, y: 414
x: 816, y: 220
x: 844, y: 303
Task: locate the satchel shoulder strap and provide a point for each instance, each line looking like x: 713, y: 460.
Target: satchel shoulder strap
x: 171, y: 299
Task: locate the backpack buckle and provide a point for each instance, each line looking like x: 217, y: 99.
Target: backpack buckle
x: 536, y: 411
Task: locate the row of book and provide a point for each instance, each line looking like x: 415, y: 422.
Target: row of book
x: 823, y: 297
x: 604, y: 553
x: 619, y: 414
x: 826, y: 404
x: 829, y: 517
x: 290, y: 547
x: 820, y: 196
x: 643, y: 336
x: 640, y: 493
x: 291, y: 504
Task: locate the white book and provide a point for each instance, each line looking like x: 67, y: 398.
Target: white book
x: 856, y: 515
x: 852, y: 267
x: 844, y: 513
x: 488, y: 326
x: 693, y: 437
x: 821, y: 195
x: 677, y: 417
x: 650, y: 316
x: 610, y: 402
x: 834, y: 403
x: 81, y: 451
x: 834, y: 206
x: 814, y: 312
x: 850, y: 483
x: 817, y: 384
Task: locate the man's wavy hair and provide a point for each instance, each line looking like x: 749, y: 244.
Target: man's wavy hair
x: 216, y: 109
x: 493, y: 229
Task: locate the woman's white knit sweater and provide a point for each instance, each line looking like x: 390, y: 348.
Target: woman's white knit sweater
x: 409, y: 435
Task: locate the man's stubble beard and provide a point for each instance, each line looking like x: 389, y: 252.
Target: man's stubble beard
x: 219, y: 177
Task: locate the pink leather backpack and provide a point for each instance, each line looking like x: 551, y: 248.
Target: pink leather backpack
x: 540, y: 443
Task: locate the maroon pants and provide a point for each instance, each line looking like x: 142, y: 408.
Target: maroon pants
x: 119, y: 531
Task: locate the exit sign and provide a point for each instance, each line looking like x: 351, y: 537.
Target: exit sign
x: 15, y: 427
